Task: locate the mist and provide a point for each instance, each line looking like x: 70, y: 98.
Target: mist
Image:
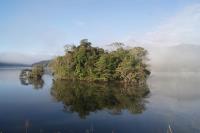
x: 19, y: 58
x: 179, y: 58
x: 174, y: 44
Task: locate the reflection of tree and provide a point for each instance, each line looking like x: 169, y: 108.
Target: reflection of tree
x: 84, y: 98
x: 36, y: 83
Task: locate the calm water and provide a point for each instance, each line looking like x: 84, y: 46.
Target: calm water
x: 51, y: 107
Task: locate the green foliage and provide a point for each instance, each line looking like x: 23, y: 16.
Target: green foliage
x: 85, y: 62
x: 37, y: 72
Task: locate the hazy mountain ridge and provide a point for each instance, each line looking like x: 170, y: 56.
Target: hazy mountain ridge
x: 43, y: 63
x: 3, y: 64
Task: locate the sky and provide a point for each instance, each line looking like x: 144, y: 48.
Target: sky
x: 33, y: 30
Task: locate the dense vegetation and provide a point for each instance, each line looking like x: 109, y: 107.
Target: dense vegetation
x: 35, y: 73
x: 84, y: 98
x: 85, y: 62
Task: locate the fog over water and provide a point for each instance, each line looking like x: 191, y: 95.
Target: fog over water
x: 180, y: 58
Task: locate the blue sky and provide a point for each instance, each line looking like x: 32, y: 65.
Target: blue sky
x: 43, y: 27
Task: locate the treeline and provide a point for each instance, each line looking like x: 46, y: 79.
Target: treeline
x: 85, y: 62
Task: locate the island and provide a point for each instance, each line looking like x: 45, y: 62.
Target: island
x: 88, y: 63
x: 35, y: 73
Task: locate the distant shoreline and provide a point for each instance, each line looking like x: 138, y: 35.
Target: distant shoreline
x: 12, y: 67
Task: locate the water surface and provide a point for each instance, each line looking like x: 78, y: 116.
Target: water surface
x: 58, y: 106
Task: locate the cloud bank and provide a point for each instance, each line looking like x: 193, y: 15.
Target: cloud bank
x: 184, y: 27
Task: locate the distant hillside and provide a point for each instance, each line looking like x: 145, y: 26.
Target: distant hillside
x: 176, y: 58
x: 2, y: 64
x: 44, y: 63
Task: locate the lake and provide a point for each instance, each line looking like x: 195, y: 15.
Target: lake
x: 48, y: 106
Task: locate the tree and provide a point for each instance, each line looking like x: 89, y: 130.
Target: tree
x: 37, y: 72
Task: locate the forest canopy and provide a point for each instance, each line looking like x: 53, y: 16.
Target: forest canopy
x: 85, y: 62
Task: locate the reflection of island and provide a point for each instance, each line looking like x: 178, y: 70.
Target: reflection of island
x: 32, y: 77
x: 36, y: 83
x: 84, y: 98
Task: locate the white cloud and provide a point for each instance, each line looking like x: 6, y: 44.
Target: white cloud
x: 184, y: 27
